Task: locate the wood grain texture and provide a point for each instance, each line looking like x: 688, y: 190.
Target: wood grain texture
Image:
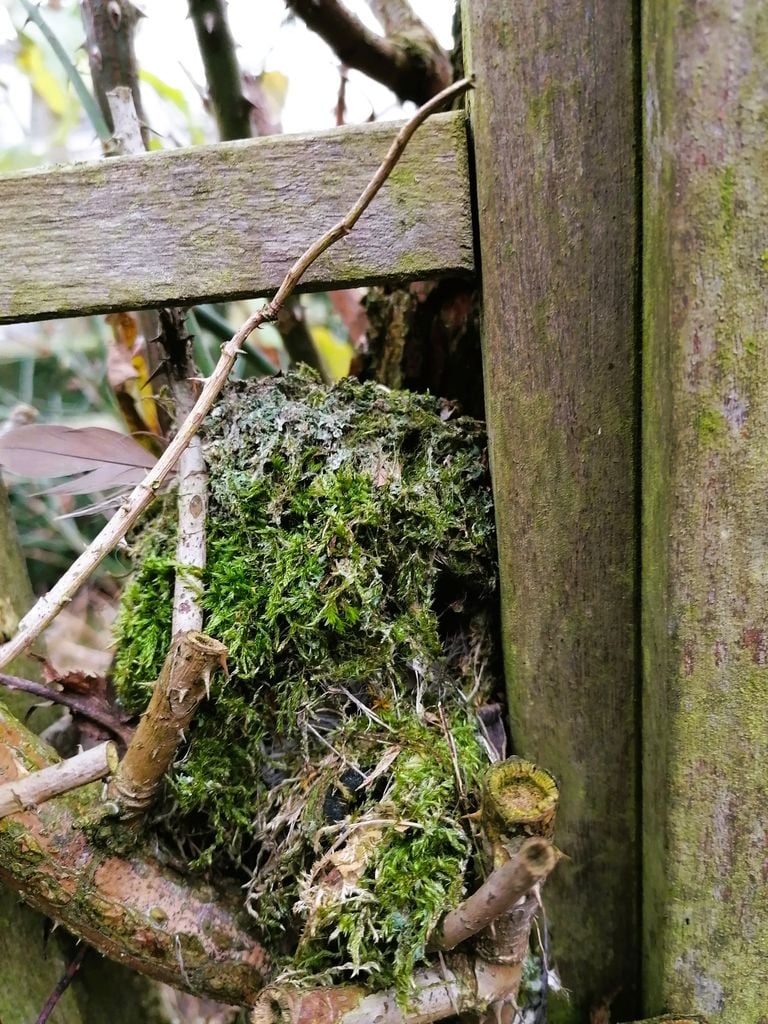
x: 226, y: 221
x: 552, y: 122
x: 705, y: 490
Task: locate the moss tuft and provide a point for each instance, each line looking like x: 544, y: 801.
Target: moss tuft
x: 350, y: 567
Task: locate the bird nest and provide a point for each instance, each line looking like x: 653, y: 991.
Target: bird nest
x: 335, y: 770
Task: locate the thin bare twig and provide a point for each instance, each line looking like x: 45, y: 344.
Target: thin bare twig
x: 63, y: 983
x: 92, y: 707
x: 46, y: 609
x: 35, y: 789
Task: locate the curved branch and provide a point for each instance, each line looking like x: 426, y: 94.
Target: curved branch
x: 413, y: 66
x: 133, y: 910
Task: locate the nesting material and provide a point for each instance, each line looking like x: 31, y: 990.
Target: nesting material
x: 351, y: 569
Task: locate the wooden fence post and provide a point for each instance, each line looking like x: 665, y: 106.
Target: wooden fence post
x: 705, y: 498
x: 553, y: 128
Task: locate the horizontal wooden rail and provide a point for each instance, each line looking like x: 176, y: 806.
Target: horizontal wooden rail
x: 226, y: 221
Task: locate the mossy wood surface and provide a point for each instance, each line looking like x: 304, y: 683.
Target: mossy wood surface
x: 31, y: 962
x: 351, y: 571
x: 705, y: 531
x: 216, y: 222
x: 127, y: 903
x: 552, y: 122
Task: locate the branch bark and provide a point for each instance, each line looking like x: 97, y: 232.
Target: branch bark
x: 414, y: 66
x: 109, y: 26
x: 31, y: 790
x: 222, y: 71
x: 459, y: 985
x: 142, y: 496
x: 181, y: 687
x: 503, y: 888
x: 133, y: 910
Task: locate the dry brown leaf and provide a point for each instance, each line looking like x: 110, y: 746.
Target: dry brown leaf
x: 104, y: 459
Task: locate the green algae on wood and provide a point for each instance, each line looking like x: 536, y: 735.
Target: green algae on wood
x: 552, y: 130
x: 705, y: 529
x: 227, y: 221
x: 350, y: 574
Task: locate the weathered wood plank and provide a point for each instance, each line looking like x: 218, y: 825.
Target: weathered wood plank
x: 226, y: 221
x: 553, y: 129
x: 705, y: 530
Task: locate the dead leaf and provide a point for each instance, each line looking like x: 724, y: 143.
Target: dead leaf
x: 102, y: 459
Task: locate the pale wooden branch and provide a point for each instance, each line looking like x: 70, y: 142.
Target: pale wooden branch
x: 182, y: 684
x: 32, y: 790
x: 413, y: 67
x: 142, y: 496
x: 503, y: 888
x: 132, y: 909
x: 192, y: 498
x: 458, y: 985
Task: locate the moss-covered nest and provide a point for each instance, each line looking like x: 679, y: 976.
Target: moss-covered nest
x: 350, y: 572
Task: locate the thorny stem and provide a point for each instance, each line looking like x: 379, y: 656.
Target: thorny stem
x: 222, y: 72
x: 32, y: 790
x: 46, y: 609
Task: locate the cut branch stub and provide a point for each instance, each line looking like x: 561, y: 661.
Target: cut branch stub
x: 505, y: 886
x: 182, y: 685
x: 519, y: 799
x: 31, y: 790
x: 519, y: 802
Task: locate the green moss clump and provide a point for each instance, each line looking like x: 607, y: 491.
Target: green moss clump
x: 350, y: 567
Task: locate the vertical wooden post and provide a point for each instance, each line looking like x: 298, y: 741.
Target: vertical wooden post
x: 705, y: 496
x: 553, y: 127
